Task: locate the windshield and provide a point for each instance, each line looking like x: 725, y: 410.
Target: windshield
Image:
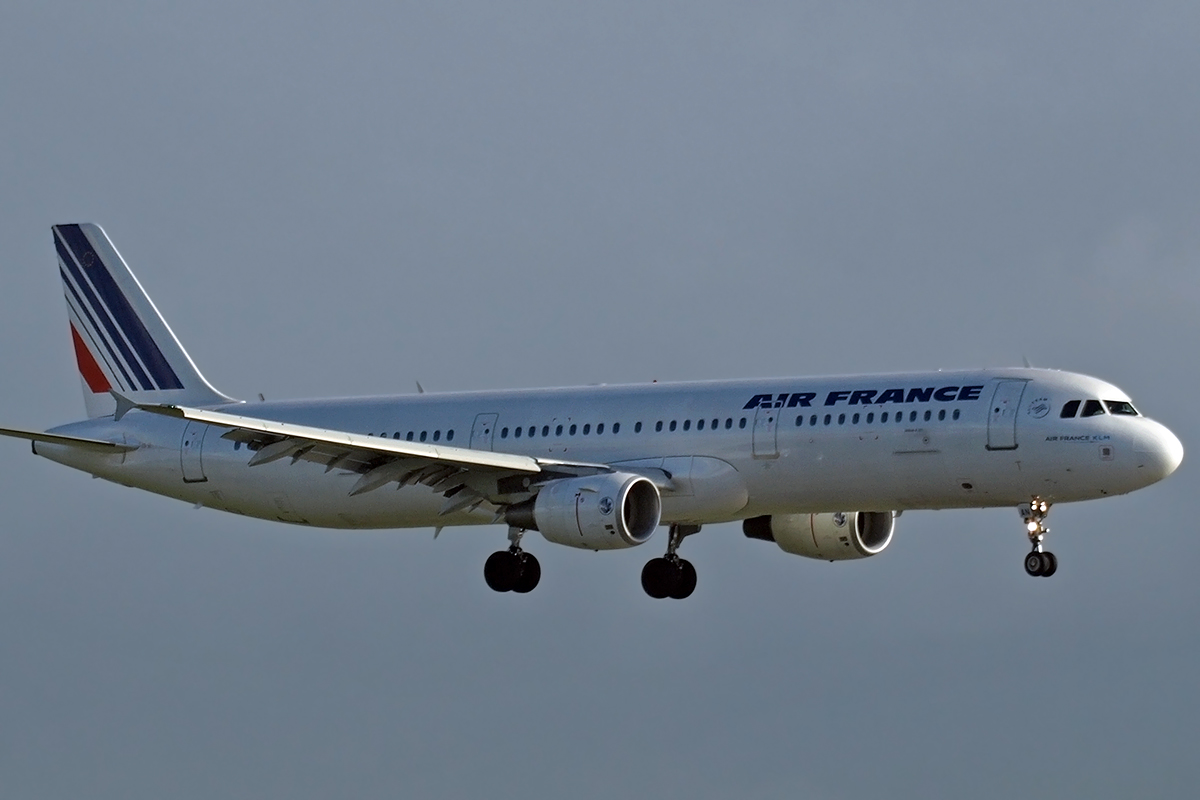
x: 1091, y: 408
x: 1121, y: 407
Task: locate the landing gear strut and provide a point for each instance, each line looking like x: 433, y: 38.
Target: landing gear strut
x: 512, y: 570
x: 670, y: 575
x: 1039, y: 562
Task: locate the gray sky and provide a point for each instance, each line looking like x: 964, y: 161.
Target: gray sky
x: 347, y: 199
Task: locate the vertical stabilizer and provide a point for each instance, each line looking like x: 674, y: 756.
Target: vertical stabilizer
x: 121, y: 341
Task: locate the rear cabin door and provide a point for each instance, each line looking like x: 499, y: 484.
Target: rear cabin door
x: 766, y: 421
x: 190, y: 448
x: 1002, y: 416
x: 483, y: 430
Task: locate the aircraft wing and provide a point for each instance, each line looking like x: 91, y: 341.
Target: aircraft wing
x: 467, y: 478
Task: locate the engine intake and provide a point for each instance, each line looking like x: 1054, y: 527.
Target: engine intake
x: 597, y: 512
x: 831, y: 537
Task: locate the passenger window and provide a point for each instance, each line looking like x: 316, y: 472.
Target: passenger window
x: 742, y: 423
x: 1092, y: 408
x: 941, y: 414
x: 928, y: 414
x: 1070, y: 408
x: 715, y: 422
x: 423, y: 436
x: 616, y: 428
x: 672, y: 425
x: 517, y: 433
x: 637, y: 427
x: 658, y: 426
x: 450, y: 435
x: 827, y: 418
x: 728, y: 423
x: 883, y: 417
x: 841, y: 419
x: 587, y: 429
x: 799, y: 420
x: 503, y: 434
x: 956, y: 413
x: 573, y: 429
x: 600, y: 429
x: 870, y: 417
x: 812, y: 420
x: 396, y: 435
x: 912, y: 417
x: 699, y: 424
x: 545, y: 430
x: 687, y: 424
x: 558, y: 431
x: 437, y: 435
x: 855, y: 419
x: 1121, y: 407
x: 409, y: 437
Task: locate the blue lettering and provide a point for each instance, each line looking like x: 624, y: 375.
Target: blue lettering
x: 802, y: 399
x: 946, y: 394
x: 891, y: 396
x: 919, y: 395
x: 836, y: 397
x: 862, y: 396
x: 764, y: 400
x: 970, y: 392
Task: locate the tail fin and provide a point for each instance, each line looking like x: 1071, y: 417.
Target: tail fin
x: 121, y: 341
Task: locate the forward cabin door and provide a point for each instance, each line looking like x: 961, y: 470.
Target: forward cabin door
x: 1002, y: 415
x: 766, y: 421
x: 483, y: 430
x: 190, y: 449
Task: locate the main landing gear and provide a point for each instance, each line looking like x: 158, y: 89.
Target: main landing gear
x: 670, y: 575
x: 512, y: 570
x: 1039, y: 563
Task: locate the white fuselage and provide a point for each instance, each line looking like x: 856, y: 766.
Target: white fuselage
x: 733, y: 449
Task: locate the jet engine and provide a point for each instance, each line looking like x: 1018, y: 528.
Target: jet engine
x: 597, y: 512
x: 832, y: 537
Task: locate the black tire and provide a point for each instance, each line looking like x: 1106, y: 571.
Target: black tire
x: 1033, y: 564
x: 531, y: 573
x: 686, y: 582
x: 658, y: 578
x: 501, y: 571
x: 1049, y: 564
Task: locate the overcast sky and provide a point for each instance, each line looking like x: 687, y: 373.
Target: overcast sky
x: 348, y: 198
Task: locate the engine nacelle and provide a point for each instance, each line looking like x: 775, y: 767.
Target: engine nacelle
x: 597, y: 512
x: 832, y: 537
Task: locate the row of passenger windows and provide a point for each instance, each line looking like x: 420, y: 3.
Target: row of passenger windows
x: 413, y: 436
x: 1092, y: 408
x: 673, y: 425
x: 870, y: 417
x: 587, y: 429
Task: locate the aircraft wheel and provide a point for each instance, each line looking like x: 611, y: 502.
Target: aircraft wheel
x: 659, y: 577
x: 1033, y: 564
x: 685, y: 584
x: 1049, y: 564
x: 531, y: 573
x: 502, y: 571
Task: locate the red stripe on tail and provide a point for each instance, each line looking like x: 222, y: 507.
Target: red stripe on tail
x: 93, y: 376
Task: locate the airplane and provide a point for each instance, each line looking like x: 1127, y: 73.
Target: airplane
x: 821, y: 466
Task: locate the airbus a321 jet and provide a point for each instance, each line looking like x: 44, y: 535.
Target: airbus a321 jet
x: 821, y: 466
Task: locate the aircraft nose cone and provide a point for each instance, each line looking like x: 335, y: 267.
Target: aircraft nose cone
x: 1162, y: 451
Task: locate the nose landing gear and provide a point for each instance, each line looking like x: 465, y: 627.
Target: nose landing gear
x: 512, y: 570
x: 670, y: 575
x: 1039, y: 563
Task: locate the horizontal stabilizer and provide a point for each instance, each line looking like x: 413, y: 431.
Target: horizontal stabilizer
x: 71, y: 441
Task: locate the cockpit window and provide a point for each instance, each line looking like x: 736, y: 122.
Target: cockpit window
x: 1070, y: 409
x: 1121, y: 407
x: 1091, y: 408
